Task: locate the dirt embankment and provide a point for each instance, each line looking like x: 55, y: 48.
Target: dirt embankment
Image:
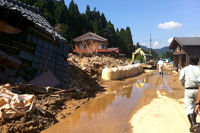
x: 85, y: 77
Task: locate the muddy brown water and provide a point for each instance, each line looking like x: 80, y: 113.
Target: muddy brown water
x: 108, y: 113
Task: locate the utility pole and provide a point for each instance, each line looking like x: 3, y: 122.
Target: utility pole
x: 150, y: 43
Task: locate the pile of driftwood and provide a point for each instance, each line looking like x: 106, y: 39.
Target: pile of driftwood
x: 39, y: 91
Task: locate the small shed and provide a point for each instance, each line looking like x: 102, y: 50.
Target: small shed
x: 183, y: 47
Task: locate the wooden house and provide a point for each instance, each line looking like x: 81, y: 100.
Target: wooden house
x: 91, y: 42
x: 28, y: 37
x: 183, y: 47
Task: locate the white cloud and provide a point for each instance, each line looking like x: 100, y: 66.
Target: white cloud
x: 156, y: 45
x: 170, y: 25
x: 195, y: 36
x: 170, y: 40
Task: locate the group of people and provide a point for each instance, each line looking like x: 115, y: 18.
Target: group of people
x: 190, y: 79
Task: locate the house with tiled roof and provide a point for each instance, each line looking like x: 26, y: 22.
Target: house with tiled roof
x: 28, y: 37
x: 182, y: 48
x: 91, y: 42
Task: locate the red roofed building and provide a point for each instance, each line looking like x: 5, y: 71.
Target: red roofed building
x: 91, y: 42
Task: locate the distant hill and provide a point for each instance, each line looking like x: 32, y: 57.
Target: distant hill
x: 159, y: 51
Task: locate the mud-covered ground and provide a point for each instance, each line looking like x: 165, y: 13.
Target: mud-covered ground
x: 156, y: 107
x: 85, y: 77
x: 161, y: 109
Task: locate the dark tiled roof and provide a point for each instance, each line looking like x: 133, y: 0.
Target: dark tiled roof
x: 193, y: 41
x: 32, y: 13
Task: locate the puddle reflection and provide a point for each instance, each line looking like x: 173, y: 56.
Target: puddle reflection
x: 139, y: 84
x: 108, y: 113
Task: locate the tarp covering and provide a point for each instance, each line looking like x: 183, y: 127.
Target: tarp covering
x: 13, y: 105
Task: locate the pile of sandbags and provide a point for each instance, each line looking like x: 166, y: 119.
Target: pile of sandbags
x: 121, y: 72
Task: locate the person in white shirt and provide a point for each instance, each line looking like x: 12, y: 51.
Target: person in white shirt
x: 160, y: 66
x: 188, y: 77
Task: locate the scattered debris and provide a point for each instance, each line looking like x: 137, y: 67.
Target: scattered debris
x: 13, y: 105
x: 46, y: 79
x: 84, y: 82
x: 93, y: 66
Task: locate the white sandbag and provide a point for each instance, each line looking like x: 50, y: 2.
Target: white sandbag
x: 108, y: 74
x: 126, y: 72
x: 120, y: 73
x: 142, y: 70
x: 131, y: 71
x: 123, y: 75
x: 116, y: 73
x: 134, y: 70
x: 137, y: 69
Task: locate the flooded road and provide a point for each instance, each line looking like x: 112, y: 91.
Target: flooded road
x: 111, y: 113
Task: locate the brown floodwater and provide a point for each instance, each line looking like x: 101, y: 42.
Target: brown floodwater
x: 106, y: 114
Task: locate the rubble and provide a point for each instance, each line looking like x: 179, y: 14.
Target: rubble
x: 84, y: 82
x: 94, y: 65
x: 35, y: 114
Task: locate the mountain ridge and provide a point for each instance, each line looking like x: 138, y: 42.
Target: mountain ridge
x: 159, y: 51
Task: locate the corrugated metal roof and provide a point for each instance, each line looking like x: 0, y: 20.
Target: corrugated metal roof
x: 32, y: 13
x: 46, y: 79
x: 193, y: 41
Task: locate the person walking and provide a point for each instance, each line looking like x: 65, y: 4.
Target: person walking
x: 188, y: 77
x: 197, y: 109
x: 160, y: 65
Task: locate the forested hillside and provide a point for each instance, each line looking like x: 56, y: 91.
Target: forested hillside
x: 69, y: 21
x: 160, y: 52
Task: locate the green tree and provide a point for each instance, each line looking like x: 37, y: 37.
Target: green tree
x: 139, y: 57
x: 68, y: 20
x: 46, y: 7
x: 103, y: 21
x: 61, y: 12
x: 109, y: 33
x: 129, y: 42
x: 30, y: 2
x: 167, y: 54
x: 74, y: 23
x: 154, y: 55
x: 137, y: 45
x: 96, y: 27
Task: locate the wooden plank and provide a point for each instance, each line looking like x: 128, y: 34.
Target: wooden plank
x: 57, y: 92
x: 8, y: 46
x: 24, y: 45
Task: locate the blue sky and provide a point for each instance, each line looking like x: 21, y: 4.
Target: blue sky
x: 163, y: 19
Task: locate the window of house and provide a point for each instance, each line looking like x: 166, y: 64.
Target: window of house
x: 101, y: 46
x: 178, y: 49
x: 82, y: 46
